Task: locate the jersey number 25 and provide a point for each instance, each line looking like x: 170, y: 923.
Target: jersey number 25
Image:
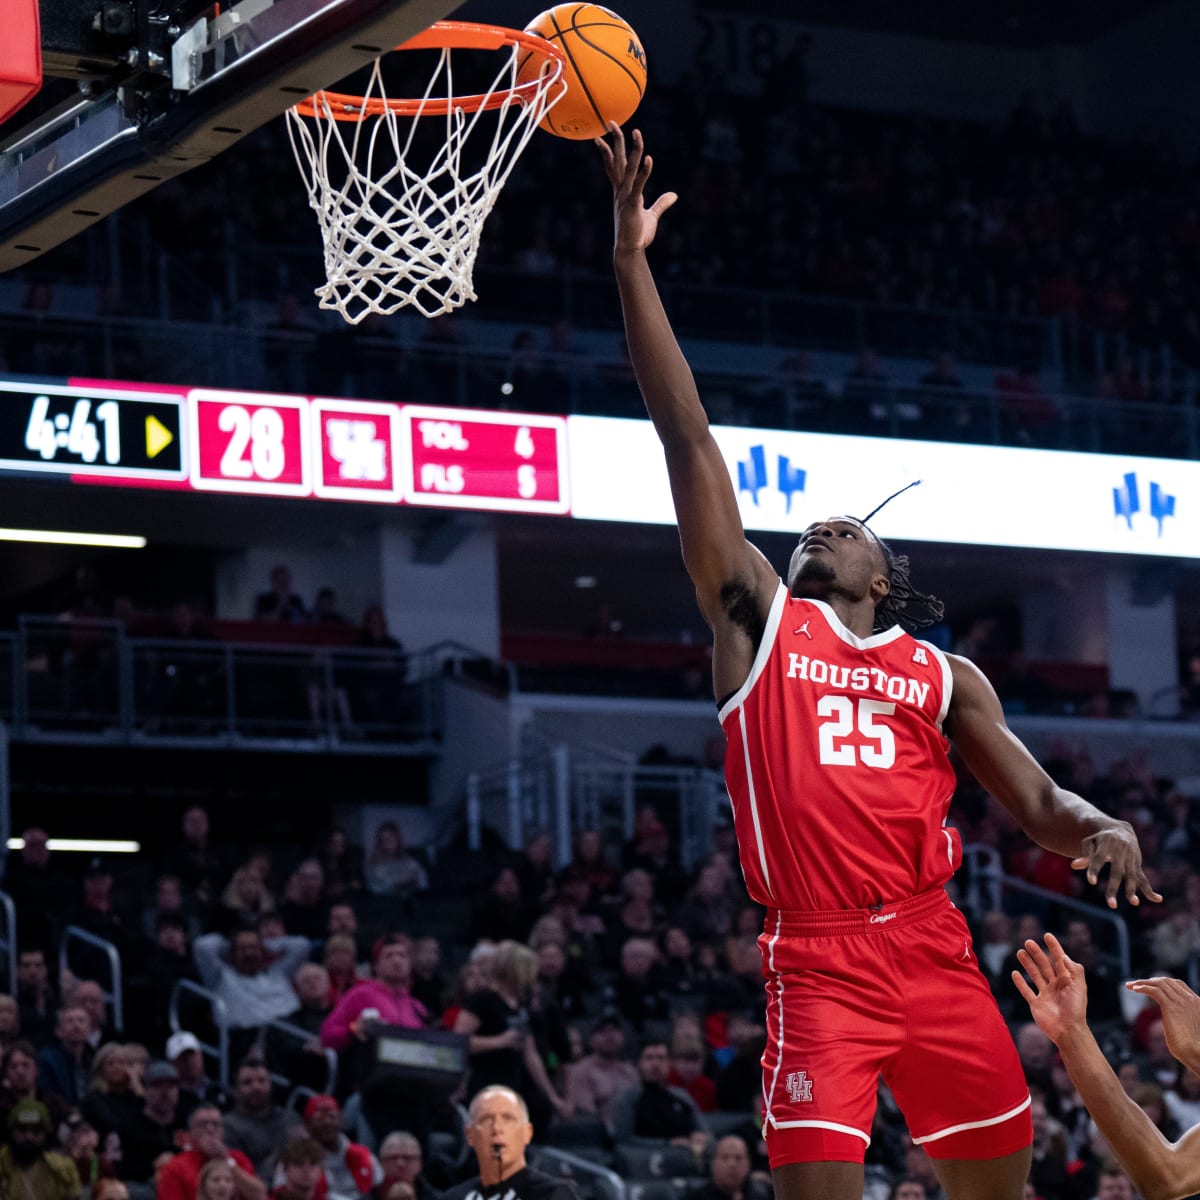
x: 877, y: 747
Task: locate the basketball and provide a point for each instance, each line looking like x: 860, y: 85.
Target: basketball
x: 605, y: 72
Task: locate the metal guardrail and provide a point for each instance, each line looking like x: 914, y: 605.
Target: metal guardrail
x: 253, y: 275
x: 219, y: 1019
x: 984, y: 863
x: 91, y: 679
x: 115, y: 991
x: 566, y: 788
x: 302, y: 1037
x: 9, y: 943
x: 606, y: 1183
x: 314, y: 361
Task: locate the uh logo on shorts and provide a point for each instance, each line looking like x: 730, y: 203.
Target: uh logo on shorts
x: 799, y: 1086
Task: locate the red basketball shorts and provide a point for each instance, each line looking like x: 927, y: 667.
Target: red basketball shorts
x: 896, y: 991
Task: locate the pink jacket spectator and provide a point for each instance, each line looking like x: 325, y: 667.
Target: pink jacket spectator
x: 395, y: 1008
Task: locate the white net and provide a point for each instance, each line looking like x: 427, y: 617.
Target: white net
x: 401, y: 216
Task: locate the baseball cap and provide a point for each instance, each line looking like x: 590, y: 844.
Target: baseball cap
x: 160, y: 1072
x: 179, y: 1043
x: 27, y: 1113
x: 318, y: 1104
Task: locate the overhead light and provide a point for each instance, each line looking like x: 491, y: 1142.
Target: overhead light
x: 63, y: 537
x: 83, y: 845
x: 585, y: 581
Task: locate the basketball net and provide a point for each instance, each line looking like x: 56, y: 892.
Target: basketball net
x: 401, y: 225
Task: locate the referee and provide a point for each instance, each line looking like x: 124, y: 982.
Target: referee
x: 498, y: 1131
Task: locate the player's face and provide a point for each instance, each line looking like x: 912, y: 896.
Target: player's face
x: 839, y: 551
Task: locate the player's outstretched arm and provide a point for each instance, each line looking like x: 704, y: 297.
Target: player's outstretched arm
x: 722, y: 565
x: 1057, y: 997
x: 1056, y: 819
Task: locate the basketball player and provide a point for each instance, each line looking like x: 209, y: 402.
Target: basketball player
x: 1159, y: 1169
x: 836, y: 721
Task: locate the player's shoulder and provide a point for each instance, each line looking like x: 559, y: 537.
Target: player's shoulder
x: 970, y: 684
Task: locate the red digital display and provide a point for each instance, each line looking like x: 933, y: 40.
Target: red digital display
x: 255, y: 443
x: 355, y: 450
x: 468, y: 459
x: 249, y: 443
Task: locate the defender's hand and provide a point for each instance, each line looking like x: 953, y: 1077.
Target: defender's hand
x: 1058, y: 997
x: 1118, y: 847
x: 628, y: 171
x: 1181, y: 1015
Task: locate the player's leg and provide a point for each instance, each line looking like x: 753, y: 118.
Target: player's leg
x: 819, y: 1181
x: 984, y: 1179
x: 831, y: 1022
x: 957, y: 1079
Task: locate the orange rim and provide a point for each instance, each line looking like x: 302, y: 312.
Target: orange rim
x: 442, y: 35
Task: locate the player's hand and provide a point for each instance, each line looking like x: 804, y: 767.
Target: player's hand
x: 628, y: 170
x: 1118, y: 847
x: 1181, y: 1015
x: 1058, y: 995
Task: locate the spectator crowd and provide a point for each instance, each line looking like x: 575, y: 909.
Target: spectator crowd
x: 1028, y: 218
x: 619, y: 995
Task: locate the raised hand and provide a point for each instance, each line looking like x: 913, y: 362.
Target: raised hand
x: 1181, y: 1015
x: 1118, y: 847
x: 1058, y: 997
x: 628, y: 170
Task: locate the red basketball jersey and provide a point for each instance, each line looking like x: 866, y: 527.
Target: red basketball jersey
x: 837, y: 765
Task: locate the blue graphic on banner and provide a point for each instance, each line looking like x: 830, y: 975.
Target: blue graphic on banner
x: 1126, y: 501
x: 752, y: 475
x: 1125, y: 498
x: 1161, y: 506
x: 791, y: 479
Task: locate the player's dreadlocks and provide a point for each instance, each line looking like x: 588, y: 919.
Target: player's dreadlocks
x: 904, y: 605
x: 895, y: 608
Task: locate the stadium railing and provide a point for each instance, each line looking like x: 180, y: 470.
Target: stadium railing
x: 355, y: 363
x: 565, y: 788
x: 214, y: 1019
x: 986, y: 881
x: 297, y: 1039
x: 114, y: 993
x: 8, y: 944
x: 597, y: 1181
x: 75, y: 679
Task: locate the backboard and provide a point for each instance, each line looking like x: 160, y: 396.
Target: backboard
x: 140, y: 91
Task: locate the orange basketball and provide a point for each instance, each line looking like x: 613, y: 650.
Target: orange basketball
x: 605, y: 73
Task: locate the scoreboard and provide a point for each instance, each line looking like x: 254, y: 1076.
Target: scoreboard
x: 205, y: 441
x: 466, y: 459
x: 109, y: 432
x: 249, y: 443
